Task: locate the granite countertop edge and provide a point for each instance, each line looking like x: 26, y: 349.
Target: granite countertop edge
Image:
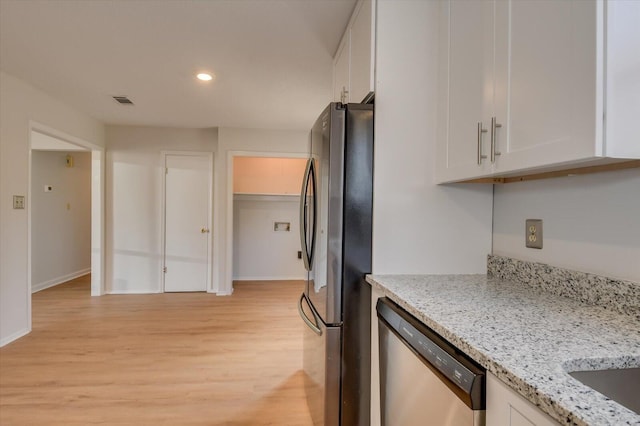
x: 566, y: 406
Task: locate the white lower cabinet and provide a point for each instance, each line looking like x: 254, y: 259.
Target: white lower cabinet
x: 375, y: 359
x: 505, y: 407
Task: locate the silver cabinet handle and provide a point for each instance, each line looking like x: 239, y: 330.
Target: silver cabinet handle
x: 304, y: 317
x: 343, y: 95
x: 494, y: 149
x: 480, y: 132
x: 204, y: 231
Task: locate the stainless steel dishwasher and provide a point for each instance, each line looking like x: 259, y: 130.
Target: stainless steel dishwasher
x: 423, y: 379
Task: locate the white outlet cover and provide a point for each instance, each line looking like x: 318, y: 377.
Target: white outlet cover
x: 533, y: 233
x: 18, y: 202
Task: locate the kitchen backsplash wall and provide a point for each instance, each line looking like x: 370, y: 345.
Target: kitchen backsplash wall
x: 620, y: 295
x: 591, y: 223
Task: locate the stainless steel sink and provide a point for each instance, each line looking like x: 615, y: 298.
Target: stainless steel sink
x: 620, y: 385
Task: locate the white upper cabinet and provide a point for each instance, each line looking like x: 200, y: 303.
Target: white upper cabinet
x: 546, y: 58
x: 467, y: 72
x: 341, y: 87
x: 361, y: 53
x: 524, y: 84
x: 622, y: 132
x: 353, y: 75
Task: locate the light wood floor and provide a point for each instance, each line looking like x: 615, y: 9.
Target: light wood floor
x: 161, y: 359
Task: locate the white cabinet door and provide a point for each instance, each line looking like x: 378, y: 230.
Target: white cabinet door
x: 623, y: 79
x: 468, y: 80
x: 341, y: 71
x: 533, y: 73
x: 546, y: 75
x: 361, y: 82
x: 353, y: 64
x: 375, y: 359
x: 505, y: 407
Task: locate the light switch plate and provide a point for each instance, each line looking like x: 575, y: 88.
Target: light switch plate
x: 18, y: 202
x: 533, y: 233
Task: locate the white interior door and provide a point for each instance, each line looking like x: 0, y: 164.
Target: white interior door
x: 187, y: 222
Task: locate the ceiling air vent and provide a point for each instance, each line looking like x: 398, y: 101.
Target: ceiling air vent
x: 123, y: 100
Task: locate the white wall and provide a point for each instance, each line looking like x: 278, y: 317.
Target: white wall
x: 259, y: 252
x: 44, y: 142
x: 60, y: 219
x: 591, y: 223
x: 418, y: 227
x: 134, y: 201
x: 280, y: 143
x: 20, y: 104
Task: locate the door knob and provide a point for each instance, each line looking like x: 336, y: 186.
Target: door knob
x: 204, y: 230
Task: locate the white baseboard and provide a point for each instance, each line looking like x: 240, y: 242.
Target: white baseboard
x: 133, y: 292
x: 14, y: 336
x: 59, y: 280
x: 270, y: 278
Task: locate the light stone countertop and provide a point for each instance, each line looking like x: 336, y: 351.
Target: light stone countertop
x: 526, y: 337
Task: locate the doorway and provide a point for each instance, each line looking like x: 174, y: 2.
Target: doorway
x: 60, y: 213
x: 44, y: 138
x: 187, y: 209
x: 265, y: 241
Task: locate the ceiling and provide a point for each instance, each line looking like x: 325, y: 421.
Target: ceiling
x: 272, y: 59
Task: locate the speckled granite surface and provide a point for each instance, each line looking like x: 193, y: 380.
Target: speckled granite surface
x: 623, y: 296
x: 526, y: 337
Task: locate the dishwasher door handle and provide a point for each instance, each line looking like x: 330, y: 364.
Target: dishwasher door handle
x: 312, y: 326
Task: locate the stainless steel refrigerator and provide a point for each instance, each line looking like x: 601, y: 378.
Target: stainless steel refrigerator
x: 335, y: 233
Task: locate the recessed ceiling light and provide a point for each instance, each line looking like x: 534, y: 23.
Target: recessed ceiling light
x: 204, y: 76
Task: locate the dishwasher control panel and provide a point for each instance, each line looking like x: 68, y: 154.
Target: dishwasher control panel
x: 452, y: 365
x: 437, y: 357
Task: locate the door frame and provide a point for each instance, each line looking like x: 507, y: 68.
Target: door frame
x: 98, y: 252
x: 226, y: 287
x: 213, y: 237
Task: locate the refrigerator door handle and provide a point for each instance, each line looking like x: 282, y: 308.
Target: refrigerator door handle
x: 312, y: 176
x: 307, y: 249
x: 303, y: 215
x: 312, y: 326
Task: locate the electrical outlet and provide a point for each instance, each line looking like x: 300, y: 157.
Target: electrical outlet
x: 533, y: 233
x: 18, y: 202
x: 299, y: 254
